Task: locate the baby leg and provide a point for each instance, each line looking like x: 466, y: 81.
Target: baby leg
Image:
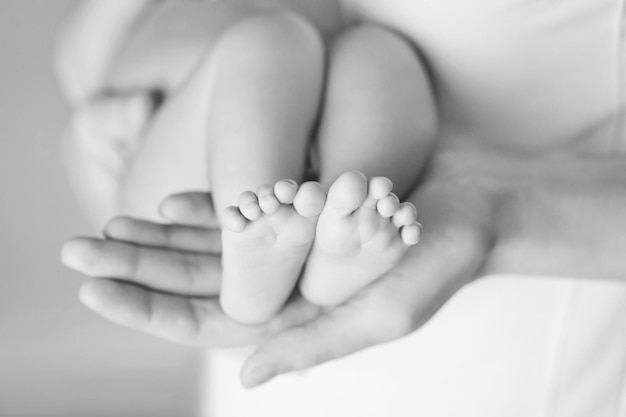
x: 379, y: 119
x: 267, y: 77
x: 180, y: 49
x: 379, y: 113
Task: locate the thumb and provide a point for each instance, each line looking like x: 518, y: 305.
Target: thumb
x: 193, y: 208
x: 456, y: 240
x: 330, y: 336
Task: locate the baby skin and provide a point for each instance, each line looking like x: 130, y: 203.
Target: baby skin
x: 263, y: 79
x: 386, y: 129
x: 383, y: 124
x: 348, y: 238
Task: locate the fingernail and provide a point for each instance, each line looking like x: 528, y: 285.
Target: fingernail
x: 71, y: 255
x: 258, y: 376
x: 171, y: 208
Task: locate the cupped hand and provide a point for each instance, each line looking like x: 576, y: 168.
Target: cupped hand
x: 483, y: 214
x: 165, y: 279
x: 166, y: 282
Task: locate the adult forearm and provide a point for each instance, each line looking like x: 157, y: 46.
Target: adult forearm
x: 563, y: 232
x: 572, y: 223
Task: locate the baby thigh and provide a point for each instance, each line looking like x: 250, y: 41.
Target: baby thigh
x: 266, y: 77
x: 379, y: 114
x: 241, y: 103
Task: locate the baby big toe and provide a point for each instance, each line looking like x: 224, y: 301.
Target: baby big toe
x: 310, y: 199
x: 347, y: 193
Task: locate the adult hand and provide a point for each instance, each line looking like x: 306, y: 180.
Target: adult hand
x: 178, y: 272
x: 483, y: 215
x: 167, y: 277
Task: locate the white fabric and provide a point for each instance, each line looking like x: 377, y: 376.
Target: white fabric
x: 505, y: 70
x: 504, y: 346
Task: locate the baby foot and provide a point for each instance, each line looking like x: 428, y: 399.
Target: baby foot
x: 362, y: 233
x: 266, y: 240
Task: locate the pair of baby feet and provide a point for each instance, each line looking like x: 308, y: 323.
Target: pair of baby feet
x: 344, y: 240
x: 336, y: 242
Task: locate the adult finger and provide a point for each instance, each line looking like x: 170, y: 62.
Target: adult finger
x: 454, y: 246
x: 190, y: 208
x: 167, y: 236
x: 189, y: 273
x: 180, y: 319
x: 186, y: 320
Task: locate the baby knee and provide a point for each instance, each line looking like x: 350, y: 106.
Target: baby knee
x: 277, y: 34
x: 365, y: 44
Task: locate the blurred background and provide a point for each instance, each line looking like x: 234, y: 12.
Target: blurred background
x: 56, y: 357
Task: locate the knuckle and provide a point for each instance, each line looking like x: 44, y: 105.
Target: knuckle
x: 195, y: 271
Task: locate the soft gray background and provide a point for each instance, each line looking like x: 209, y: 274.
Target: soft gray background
x: 56, y: 357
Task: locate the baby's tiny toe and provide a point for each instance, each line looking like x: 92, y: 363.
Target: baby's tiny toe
x: 380, y: 187
x: 310, y: 199
x: 388, y: 206
x: 411, y: 233
x: 285, y: 191
x: 249, y: 205
x: 233, y: 220
x: 267, y: 200
x: 406, y: 214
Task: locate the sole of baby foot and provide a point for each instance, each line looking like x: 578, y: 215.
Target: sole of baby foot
x: 266, y: 240
x: 361, y: 234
